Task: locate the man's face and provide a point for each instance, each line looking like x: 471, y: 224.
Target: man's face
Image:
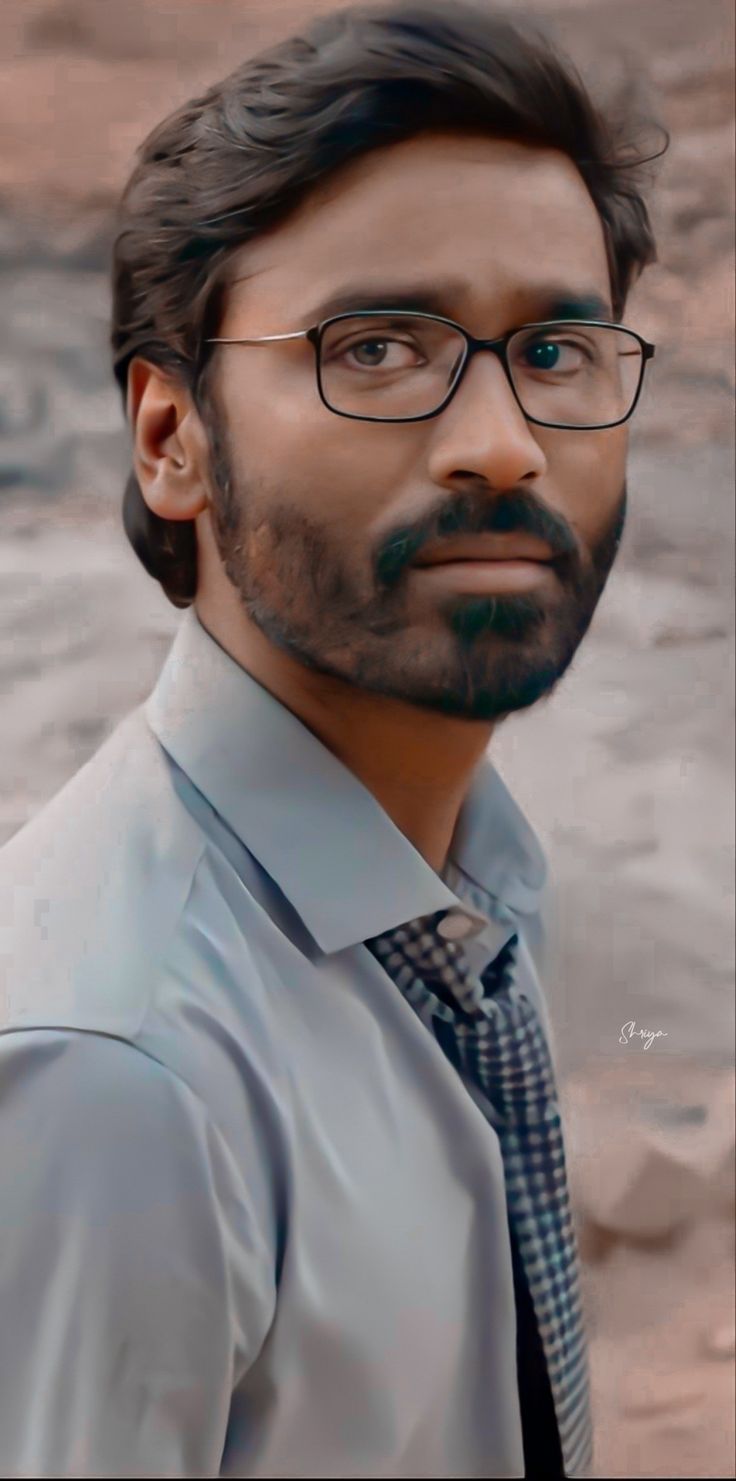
x: 319, y: 520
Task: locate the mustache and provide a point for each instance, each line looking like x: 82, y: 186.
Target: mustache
x: 516, y: 512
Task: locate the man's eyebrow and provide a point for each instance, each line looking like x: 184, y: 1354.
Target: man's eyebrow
x: 560, y: 303
x: 546, y: 301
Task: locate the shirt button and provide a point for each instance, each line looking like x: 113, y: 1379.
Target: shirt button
x: 455, y: 926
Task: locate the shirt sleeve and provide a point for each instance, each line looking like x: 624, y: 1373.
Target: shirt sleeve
x: 135, y: 1287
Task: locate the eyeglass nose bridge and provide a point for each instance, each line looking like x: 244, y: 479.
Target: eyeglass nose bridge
x: 497, y: 347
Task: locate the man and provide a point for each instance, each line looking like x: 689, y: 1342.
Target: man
x: 283, y: 1182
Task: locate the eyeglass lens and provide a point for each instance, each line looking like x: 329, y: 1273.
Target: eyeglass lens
x: 399, y: 366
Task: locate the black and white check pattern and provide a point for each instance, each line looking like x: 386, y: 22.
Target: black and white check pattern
x: 492, y: 1031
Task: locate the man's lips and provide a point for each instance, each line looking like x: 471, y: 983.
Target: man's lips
x: 486, y: 575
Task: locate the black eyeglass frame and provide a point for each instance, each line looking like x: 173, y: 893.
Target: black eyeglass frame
x: 499, y: 347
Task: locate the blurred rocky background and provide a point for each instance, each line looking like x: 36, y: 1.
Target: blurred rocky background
x: 626, y: 772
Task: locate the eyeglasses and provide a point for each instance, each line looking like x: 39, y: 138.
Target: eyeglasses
x: 398, y: 366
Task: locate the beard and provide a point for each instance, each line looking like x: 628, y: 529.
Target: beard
x: 470, y: 656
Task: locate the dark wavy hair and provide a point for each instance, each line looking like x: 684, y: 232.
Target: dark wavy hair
x: 228, y: 165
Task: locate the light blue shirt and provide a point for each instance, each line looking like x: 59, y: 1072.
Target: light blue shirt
x: 252, y: 1221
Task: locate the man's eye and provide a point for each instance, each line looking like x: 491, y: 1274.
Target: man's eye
x: 554, y: 354
x: 389, y: 354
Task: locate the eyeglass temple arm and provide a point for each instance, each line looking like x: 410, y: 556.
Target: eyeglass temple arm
x: 262, y: 338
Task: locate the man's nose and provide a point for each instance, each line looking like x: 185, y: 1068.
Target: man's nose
x: 484, y: 432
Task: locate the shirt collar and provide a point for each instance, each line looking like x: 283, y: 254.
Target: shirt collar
x: 349, y: 872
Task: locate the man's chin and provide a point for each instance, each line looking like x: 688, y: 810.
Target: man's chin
x: 489, y: 708
x: 472, y: 693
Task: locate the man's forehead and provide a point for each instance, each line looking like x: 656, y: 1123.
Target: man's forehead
x: 486, y: 217
x: 431, y: 160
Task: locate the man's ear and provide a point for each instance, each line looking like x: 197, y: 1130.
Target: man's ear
x: 138, y: 371
x: 167, y: 442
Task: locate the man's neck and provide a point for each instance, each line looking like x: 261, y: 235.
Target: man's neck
x: 417, y: 764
